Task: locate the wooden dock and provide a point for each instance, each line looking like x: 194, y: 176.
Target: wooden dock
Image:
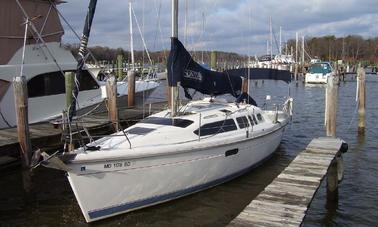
x: 285, y: 201
x: 45, y: 135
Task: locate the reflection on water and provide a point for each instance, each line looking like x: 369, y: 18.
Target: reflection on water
x: 49, y: 201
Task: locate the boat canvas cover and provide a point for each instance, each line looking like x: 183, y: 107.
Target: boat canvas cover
x: 322, y: 68
x: 182, y: 68
x: 261, y: 74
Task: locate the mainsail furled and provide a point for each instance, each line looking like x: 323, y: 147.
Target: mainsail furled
x: 182, y: 68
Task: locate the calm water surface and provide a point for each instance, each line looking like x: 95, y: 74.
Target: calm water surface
x: 50, y: 201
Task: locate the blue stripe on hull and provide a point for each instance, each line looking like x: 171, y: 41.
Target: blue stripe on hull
x: 170, y: 196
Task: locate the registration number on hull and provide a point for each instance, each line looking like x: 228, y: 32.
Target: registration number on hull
x: 117, y: 165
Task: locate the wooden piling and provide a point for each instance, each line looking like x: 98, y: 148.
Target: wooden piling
x: 69, y: 78
x: 361, y: 100
x: 119, y: 66
x: 332, y: 182
x: 331, y: 106
x: 111, y: 91
x: 69, y: 83
x: 131, y: 88
x: 296, y: 73
x: 213, y: 58
x: 21, y: 105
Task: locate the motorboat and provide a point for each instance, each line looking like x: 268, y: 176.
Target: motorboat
x: 44, y: 68
x: 319, y: 72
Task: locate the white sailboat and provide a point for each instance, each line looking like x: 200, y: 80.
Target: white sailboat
x: 174, y: 153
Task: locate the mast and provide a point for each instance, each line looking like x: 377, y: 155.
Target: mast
x: 203, y: 31
x: 271, y: 37
x: 286, y: 51
x: 296, y: 47
x: 131, y: 38
x: 303, y: 50
x: 280, y: 40
x: 174, y: 88
x: 82, y: 52
x: 186, y: 23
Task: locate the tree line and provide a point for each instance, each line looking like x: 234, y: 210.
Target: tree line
x: 109, y: 55
x: 350, y: 49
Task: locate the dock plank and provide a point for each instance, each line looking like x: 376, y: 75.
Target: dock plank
x: 285, y: 201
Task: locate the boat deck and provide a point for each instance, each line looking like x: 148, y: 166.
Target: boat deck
x: 46, y: 136
x: 285, y: 201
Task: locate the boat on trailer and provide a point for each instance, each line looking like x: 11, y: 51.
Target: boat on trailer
x: 177, y: 152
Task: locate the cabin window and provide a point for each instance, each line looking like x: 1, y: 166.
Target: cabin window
x: 260, y: 118
x: 178, y: 122
x: 216, y: 127
x: 255, y: 120
x: 46, y: 84
x: 250, y: 120
x: 242, y: 122
x: 53, y: 83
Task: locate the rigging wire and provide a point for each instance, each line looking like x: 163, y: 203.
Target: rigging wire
x: 72, y: 29
x: 38, y: 35
x: 141, y: 35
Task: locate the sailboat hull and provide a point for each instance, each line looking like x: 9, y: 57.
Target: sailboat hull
x: 108, y: 188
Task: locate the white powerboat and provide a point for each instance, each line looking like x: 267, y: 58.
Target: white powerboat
x: 318, y: 73
x: 46, y: 84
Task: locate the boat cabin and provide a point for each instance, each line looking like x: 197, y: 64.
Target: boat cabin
x: 321, y: 67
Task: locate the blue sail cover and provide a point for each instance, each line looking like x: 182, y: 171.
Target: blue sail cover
x: 261, y: 74
x: 182, y: 68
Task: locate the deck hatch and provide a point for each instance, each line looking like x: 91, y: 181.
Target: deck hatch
x: 178, y: 122
x: 140, y: 130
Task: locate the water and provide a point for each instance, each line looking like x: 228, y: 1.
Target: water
x: 50, y: 201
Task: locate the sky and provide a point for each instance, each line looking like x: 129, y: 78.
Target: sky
x: 240, y: 26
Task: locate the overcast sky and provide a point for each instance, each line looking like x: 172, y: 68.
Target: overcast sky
x: 240, y: 26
